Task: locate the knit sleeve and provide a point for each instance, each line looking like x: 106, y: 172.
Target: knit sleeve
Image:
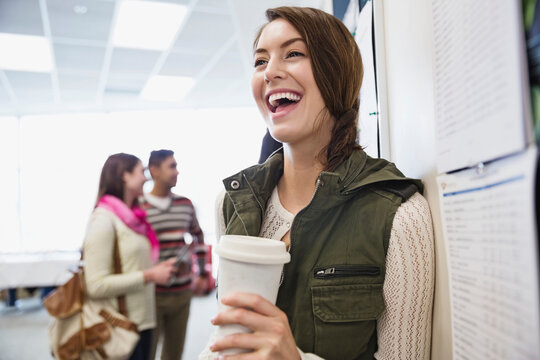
x: 100, y: 280
x: 404, y: 329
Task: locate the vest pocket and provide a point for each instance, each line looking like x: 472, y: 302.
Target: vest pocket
x: 345, y: 318
x: 329, y: 272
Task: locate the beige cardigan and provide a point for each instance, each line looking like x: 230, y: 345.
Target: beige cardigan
x: 135, y: 255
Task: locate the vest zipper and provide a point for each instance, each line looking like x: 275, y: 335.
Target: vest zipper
x: 346, y: 270
x: 317, y: 184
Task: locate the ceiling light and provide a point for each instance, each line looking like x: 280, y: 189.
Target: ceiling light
x: 25, y: 53
x: 147, y: 25
x: 80, y: 9
x: 167, y: 88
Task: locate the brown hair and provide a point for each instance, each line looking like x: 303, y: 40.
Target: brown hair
x: 111, y: 181
x: 158, y: 156
x: 337, y: 69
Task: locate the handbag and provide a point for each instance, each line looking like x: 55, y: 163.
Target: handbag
x: 89, y: 329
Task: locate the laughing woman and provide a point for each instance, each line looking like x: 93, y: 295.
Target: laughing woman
x: 360, y: 281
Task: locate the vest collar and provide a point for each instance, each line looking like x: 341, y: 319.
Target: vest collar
x: 356, y: 172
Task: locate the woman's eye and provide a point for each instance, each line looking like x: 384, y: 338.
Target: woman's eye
x: 259, y: 62
x: 294, y: 54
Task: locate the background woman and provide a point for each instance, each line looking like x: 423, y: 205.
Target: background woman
x: 117, y: 215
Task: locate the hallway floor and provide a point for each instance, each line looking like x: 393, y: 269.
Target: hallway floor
x: 23, y: 329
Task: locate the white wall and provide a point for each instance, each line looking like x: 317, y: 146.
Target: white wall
x: 408, y: 44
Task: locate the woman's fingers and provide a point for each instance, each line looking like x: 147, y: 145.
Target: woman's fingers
x: 259, y: 345
x: 271, y: 338
x: 253, y: 312
x: 169, y: 264
x: 275, y: 342
x: 247, y: 318
x: 251, y: 301
x: 244, y: 356
x: 246, y: 341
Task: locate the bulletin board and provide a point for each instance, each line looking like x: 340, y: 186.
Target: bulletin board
x: 487, y: 166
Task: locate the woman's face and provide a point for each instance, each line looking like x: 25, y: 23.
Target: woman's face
x: 135, y: 180
x: 283, y: 85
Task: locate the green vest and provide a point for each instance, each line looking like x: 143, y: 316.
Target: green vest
x: 332, y: 288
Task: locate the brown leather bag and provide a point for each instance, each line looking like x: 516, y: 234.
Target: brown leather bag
x: 88, y: 328
x: 67, y: 299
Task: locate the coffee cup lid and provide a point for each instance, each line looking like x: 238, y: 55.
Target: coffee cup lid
x: 252, y: 249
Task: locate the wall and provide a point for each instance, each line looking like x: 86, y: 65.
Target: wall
x: 408, y: 46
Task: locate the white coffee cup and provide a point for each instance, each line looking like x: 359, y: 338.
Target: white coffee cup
x: 248, y: 264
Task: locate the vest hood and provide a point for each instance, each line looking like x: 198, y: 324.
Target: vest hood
x: 356, y: 172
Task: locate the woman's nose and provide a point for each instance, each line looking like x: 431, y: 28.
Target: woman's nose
x: 274, y: 70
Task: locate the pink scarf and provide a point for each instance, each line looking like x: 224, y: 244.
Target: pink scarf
x: 134, y: 218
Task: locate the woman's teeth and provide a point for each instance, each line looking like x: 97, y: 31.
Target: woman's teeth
x: 275, y: 99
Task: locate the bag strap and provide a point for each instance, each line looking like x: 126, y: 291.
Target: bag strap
x: 121, y: 299
x: 117, y: 262
x: 122, y: 308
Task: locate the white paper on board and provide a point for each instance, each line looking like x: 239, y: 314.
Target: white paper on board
x: 490, y: 232
x: 479, y: 81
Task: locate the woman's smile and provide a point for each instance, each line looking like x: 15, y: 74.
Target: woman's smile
x: 281, y: 102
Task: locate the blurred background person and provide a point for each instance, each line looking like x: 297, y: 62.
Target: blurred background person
x: 117, y: 214
x: 172, y: 216
x: 268, y: 146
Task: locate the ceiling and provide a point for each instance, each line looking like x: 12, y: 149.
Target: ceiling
x: 213, y: 45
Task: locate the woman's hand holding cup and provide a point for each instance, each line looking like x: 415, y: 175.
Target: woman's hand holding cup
x: 271, y: 336
x: 249, y: 273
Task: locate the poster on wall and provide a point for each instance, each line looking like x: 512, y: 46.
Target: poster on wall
x: 480, y: 81
x: 489, y: 226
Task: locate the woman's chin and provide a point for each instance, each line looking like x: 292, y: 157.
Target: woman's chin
x: 280, y: 134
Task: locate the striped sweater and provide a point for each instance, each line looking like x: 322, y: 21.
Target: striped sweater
x: 171, y: 222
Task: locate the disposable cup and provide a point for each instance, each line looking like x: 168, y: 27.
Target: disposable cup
x: 248, y: 264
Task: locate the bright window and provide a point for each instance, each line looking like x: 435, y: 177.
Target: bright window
x: 61, y: 157
x: 9, y: 160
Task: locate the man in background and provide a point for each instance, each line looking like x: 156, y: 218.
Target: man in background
x: 171, y: 217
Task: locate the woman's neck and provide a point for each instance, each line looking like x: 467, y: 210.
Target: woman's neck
x: 300, y: 172
x: 160, y: 190
x: 128, y: 200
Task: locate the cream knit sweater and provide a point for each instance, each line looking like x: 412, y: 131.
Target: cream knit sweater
x: 135, y: 255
